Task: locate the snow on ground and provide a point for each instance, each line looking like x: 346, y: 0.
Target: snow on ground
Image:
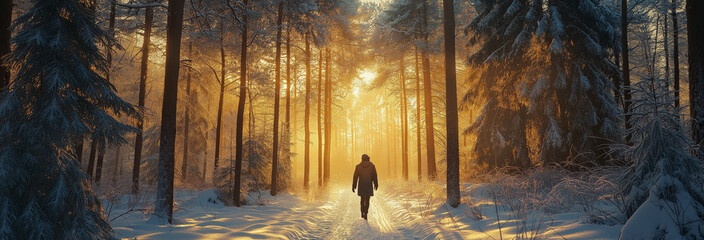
x: 399, y: 211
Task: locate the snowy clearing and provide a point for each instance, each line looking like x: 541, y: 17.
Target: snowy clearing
x: 395, y: 213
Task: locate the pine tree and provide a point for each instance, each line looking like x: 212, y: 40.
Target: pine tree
x: 695, y: 35
x: 663, y: 185
x: 58, y: 96
x: 504, y: 29
x: 138, y: 140
x: 5, y: 34
x: 569, y: 91
x: 277, y: 98
x: 164, y: 204
x: 453, y: 151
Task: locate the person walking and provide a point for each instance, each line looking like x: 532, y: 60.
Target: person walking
x: 365, y: 173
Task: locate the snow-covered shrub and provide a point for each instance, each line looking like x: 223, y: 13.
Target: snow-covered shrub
x: 663, y: 188
x: 595, y: 192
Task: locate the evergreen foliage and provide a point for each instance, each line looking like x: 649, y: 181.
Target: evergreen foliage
x: 663, y: 184
x: 59, y: 95
x: 546, y: 77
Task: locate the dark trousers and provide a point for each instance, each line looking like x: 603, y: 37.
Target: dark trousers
x: 365, y: 204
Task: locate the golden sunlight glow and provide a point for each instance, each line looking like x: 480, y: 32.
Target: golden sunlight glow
x: 367, y: 76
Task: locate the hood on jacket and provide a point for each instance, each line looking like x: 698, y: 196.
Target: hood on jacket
x: 366, y: 164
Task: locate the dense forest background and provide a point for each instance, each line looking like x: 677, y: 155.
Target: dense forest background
x: 143, y: 96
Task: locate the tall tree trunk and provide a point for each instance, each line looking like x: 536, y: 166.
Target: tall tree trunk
x: 99, y: 165
x: 695, y: 37
x: 418, y: 145
x: 117, y: 165
x: 148, y: 19
x: 275, y: 148
x: 205, y: 156
x: 111, y: 31
x: 676, y: 53
x: 453, y: 149
x: 328, y: 117
x: 221, y: 99
x: 187, y: 118
x: 626, y: 67
x: 404, y: 122
x: 428, y: 97
x: 306, y: 121
x: 320, y: 127
x: 164, y: 206
x: 240, y: 110
x: 429, y: 123
x: 388, y: 141
x: 91, y: 159
x: 5, y: 35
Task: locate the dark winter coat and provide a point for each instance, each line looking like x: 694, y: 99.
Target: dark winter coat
x: 365, y: 172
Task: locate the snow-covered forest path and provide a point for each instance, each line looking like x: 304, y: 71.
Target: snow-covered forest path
x: 340, y: 218
x: 335, y: 215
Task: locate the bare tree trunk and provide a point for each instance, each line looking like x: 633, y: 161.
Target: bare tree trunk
x: 388, y: 142
x: 626, y: 67
x: 164, y: 206
x: 117, y: 165
x: 240, y: 111
x: 418, y: 146
x: 148, y: 19
x: 99, y: 165
x: 695, y: 37
x: 404, y: 122
x: 111, y: 32
x: 429, y: 122
x: 320, y: 127
x: 91, y: 159
x: 187, y: 118
x: 218, y: 124
x: 676, y: 53
x: 205, y: 157
x: 5, y: 36
x: 453, y: 151
x: 277, y: 90
x: 428, y: 97
x: 328, y: 117
x: 306, y: 152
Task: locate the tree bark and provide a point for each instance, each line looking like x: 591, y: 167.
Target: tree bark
x: 418, y: 145
x: 328, y: 118
x: 320, y: 127
x: 429, y: 122
x: 306, y: 121
x: 453, y: 151
x: 676, y: 53
x: 148, y: 20
x: 695, y: 37
x: 277, y: 93
x: 111, y: 32
x: 221, y: 99
x: 164, y: 205
x: 428, y: 99
x: 240, y: 110
x: 626, y: 67
x: 404, y: 121
x: 205, y: 156
x: 116, y: 167
x: 5, y: 36
x: 91, y: 159
x: 99, y: 165
x: 187, y: 118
